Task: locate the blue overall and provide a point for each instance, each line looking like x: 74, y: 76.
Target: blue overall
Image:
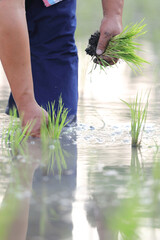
x: 53, y: 53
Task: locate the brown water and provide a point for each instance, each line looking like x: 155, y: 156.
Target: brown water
x: 91, y: 184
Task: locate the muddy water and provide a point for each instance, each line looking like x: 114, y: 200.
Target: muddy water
x: 91, y: 184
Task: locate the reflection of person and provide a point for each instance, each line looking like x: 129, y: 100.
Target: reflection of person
x: 47, y: 212
x: 98, y: 216
x: 53, y: 52
x: 51, y: 204
x: 15, y: 206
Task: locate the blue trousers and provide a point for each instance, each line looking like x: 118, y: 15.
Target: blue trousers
x: 53, y: 53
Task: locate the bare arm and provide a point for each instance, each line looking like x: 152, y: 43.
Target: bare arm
x: 15, y: 57
x: 111, y: 24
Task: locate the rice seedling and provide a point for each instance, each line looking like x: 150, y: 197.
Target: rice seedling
x: 56, y: 121
x: 138, y: 118
x: 14, y: 138
x: 121, y: 46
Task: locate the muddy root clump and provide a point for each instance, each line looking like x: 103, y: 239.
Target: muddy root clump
x: 92, y: 44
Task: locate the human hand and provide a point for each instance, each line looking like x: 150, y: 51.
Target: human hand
x: 31, y: 113
x: 110, y: 27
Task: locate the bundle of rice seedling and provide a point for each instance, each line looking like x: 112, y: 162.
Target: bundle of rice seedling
x: 121, y: 46
x: 56, y: 121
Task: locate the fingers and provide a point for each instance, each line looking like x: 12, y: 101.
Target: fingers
x: 101, y: 47
x: 33, y: 119
x: 31, y: 128
x: 38, y: 124
x: 103, y: 42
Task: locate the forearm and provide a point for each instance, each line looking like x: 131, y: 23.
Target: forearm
x: 111, y: 24
x: 112, y: 8
x: 15, y: 52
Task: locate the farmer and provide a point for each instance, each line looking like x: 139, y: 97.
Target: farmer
x: 44, y: 65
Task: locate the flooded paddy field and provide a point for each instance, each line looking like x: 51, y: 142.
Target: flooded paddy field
x: 91, y: 184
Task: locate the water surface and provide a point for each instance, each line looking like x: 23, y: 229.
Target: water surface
x: 91, y: 184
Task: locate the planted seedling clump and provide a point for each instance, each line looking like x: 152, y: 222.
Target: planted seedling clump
x: 56, y: 121
x: 14, y: 137
x: 121, y: 46
x: 138, y: 112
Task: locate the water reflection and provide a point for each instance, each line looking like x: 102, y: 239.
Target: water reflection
x: 128, y: 206
x: 38, y: 200
x: 113, y: 193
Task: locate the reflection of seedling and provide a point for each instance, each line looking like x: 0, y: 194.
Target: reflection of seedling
x: 54, y: 157
x: 137, y: 167
x: 7, y: 215
x: 156, y: 166
x: 138, y: 119
x: 121, y: 46
x: 127, y: 217
x: 56, y: 122
x: 45, y: 215
x: 156, y: 183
